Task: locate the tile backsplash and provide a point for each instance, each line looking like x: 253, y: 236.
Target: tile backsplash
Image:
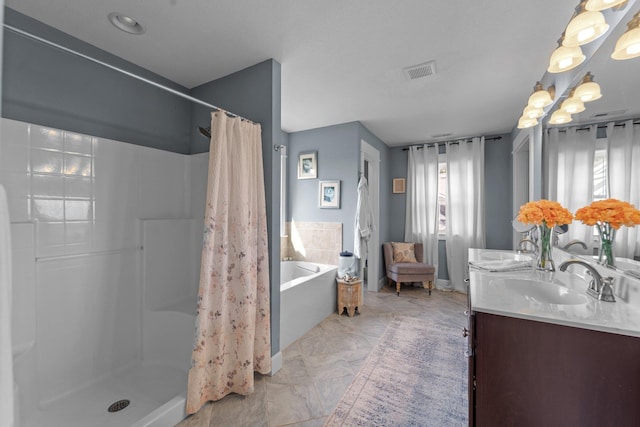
x: 319, y: 242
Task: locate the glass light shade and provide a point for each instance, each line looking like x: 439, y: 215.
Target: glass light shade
x: 530, y: 112
x: 628, y: 45
x: 560, y: 117
x: 526, y: 122
x: 540, y: 99
x: 565, y: 58
x: 572, y: 105
x: 587, y: 92
x: 585, y: 28
x: 597, y: 5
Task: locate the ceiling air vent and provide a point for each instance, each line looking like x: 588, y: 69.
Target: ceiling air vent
x: 421, y: 70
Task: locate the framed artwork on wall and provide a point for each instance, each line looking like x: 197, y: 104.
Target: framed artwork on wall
x: 308, y: 165
x: 398, y: 185
x: 330, y: 194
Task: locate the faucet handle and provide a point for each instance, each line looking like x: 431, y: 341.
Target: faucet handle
x: 606, y: 292
x: 592, y: 283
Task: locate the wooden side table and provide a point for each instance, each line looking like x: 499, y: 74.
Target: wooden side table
x: 349, y: 296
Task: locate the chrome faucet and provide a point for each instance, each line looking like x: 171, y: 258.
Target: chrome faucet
x: 523, y: 243
x: 599, y: 287
x: 576, y: 242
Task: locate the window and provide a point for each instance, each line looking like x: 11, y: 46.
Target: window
x: 442, y: 196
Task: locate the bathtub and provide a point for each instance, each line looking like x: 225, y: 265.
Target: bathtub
x: 307, y: 296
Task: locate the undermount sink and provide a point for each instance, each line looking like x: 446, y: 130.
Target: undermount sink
x: 541, y: 292
x: 505, y: 255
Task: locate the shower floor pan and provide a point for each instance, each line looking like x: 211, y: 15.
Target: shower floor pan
x: 148, y: 386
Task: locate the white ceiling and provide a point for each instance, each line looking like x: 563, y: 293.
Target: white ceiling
x: 342, y: 60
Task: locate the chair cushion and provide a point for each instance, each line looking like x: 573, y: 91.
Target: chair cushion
x: 412, y: 268
x: 403, y: 252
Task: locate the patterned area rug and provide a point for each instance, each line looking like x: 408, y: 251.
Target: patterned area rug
x: 416, y: 376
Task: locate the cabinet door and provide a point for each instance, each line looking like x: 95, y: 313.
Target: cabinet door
x: 539, y: 374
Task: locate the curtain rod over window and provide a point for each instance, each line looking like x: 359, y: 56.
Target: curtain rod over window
x: 603, y: 125
x: 455, y: 141
x: 120, y: 70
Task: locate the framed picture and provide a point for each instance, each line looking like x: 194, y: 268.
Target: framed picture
x: 398, y: 185
x: 308, y: 165
x: 330, y: 194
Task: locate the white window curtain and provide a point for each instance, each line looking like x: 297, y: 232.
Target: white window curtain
x: 624, y: 179
x: 421, y: 220
x: 465, y: 207
x: 569, y: 157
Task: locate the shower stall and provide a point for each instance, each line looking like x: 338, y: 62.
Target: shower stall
x: 105, y: 255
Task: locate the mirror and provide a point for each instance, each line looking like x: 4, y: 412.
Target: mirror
x: 620, y: 101
x: 618, y: 80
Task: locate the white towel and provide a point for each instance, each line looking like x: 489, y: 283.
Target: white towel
x: 502, y: 265
x: 6, y: 354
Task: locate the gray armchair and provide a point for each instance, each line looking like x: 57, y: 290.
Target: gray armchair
x: 408, y: 272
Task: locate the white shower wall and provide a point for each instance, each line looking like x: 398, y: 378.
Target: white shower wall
x: 76, y: 204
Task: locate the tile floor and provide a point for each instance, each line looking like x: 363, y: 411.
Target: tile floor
x: 319, y: 366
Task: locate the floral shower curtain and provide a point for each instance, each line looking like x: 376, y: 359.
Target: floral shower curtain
x: 233, y: 319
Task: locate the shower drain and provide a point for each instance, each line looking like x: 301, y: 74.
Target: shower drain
x: 119, y: 405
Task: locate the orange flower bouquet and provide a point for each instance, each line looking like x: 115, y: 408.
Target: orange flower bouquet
x: 608, y: 215
x: 545, y: 214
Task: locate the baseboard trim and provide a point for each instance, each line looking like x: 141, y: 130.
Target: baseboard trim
x: 276, y: 363
x: 443, y: 284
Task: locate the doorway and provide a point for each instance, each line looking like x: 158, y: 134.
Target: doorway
x: 370, y: 167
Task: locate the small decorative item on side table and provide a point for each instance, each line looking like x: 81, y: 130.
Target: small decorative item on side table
x: 608, y: 215
x: 545, y: 214
x: 349, y: 295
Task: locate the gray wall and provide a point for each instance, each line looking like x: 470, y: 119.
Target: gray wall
x: 498, y: 201
x: 338, y: 159
x: 498, y: 198
x: 46, y: 86
x: 253, y: 93
x: 338, y: 150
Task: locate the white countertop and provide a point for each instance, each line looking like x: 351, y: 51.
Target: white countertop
x: 490, y: 293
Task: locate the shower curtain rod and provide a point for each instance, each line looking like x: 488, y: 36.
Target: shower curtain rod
x: 455, y: 141
x: 120, y: 70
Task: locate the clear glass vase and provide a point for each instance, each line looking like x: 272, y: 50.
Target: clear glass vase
x: 544, y: 260
x: 607, y: 237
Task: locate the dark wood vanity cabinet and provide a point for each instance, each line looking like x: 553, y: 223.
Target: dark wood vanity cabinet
x: 529, y: 373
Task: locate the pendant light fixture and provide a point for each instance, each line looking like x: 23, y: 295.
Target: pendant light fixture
x: 560, y: 117
x: 584, y: 27
x: 526, y: 122
x: 588, y: 90
x: 532, y: 112
x: 628, y: 45
x: 598, y: 5
x: 565, y: 58
x: 541, y: 98
x: 572, y: 105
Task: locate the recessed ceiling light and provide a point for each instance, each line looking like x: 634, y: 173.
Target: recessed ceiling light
x: 126, y: 23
